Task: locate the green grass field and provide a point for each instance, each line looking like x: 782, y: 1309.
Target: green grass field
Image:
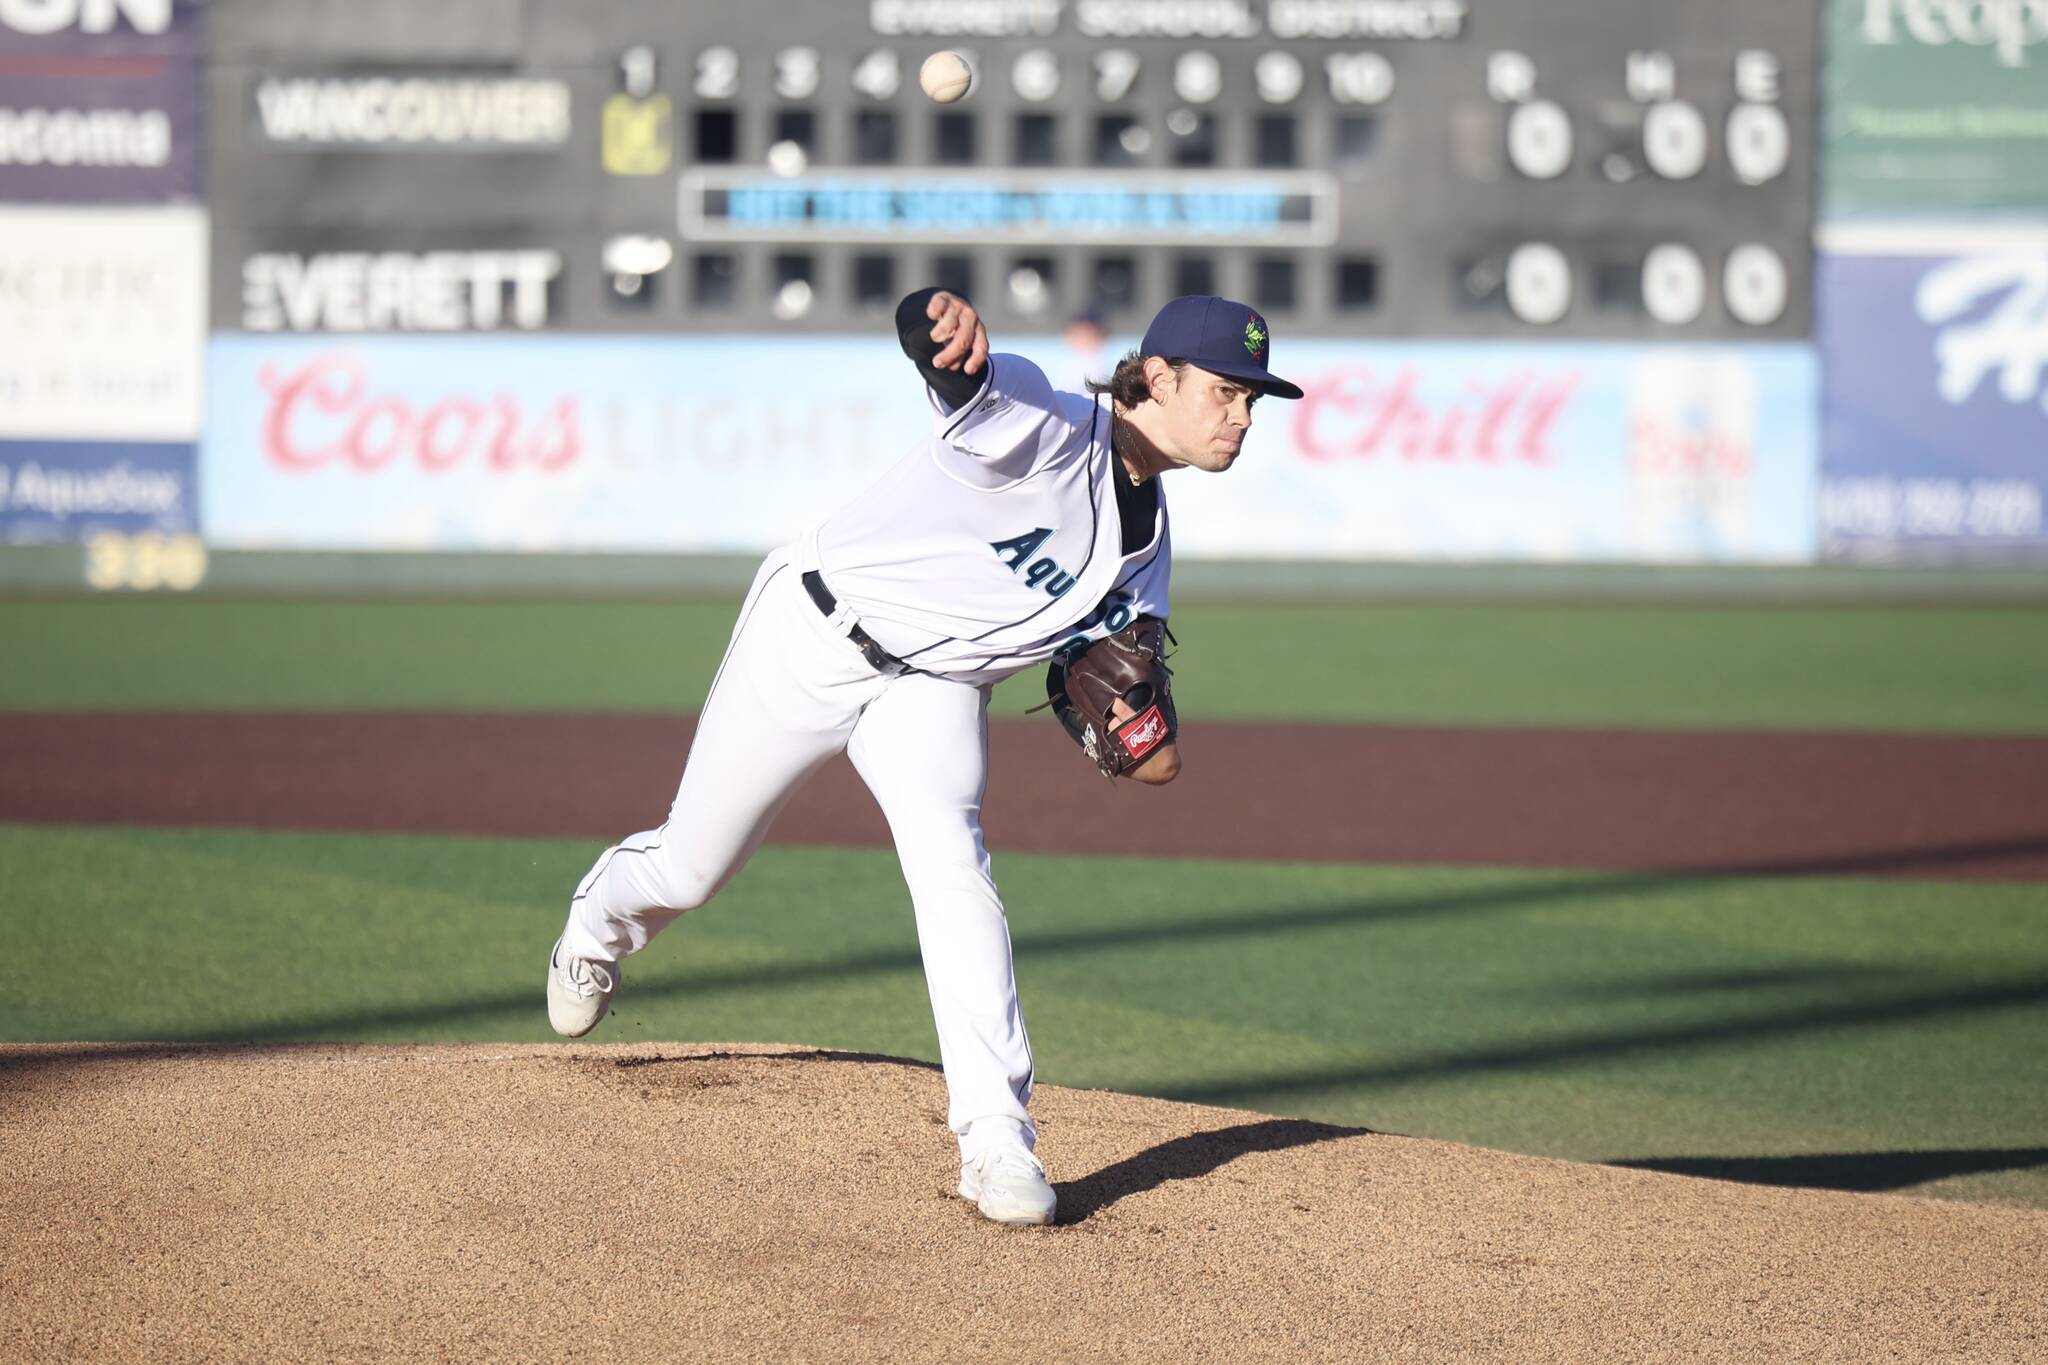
x: 1957, y: 669
x: 1872, y: 1034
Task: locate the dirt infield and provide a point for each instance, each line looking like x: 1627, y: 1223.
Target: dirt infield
x: 763, y: 1203
x: 1853, y: 804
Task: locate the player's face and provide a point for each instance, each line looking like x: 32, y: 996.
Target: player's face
x: 1207, y: 418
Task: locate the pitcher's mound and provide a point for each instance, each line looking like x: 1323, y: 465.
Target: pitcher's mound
x: 775, y: 1203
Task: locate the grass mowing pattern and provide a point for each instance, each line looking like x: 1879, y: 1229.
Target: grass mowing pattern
x: 1950, y: 669
x: 1588, y: 1015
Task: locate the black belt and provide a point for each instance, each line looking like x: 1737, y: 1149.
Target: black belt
x: 882, y: 660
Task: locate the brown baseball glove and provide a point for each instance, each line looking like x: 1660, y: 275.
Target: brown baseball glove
x: 1083, y: 684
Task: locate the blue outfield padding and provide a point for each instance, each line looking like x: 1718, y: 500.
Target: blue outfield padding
x: 1935, y: 427
x: 67, y: 490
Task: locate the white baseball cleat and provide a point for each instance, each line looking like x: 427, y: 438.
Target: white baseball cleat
x: 579, y: 992
x: 1008, y: 1185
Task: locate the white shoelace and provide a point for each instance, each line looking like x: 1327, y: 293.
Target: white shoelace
x: 1014, y: 1160
x: 585, y: 978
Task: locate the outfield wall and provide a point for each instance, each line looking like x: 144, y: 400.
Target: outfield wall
x: 224, y: 331
x: 1931, y: 282
x: 103, y: 269
x: 1421, y: 451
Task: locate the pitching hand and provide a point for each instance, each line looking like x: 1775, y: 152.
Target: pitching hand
x: 957, y: 328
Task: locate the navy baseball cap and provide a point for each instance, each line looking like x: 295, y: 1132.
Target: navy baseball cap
x: 1222, y: 337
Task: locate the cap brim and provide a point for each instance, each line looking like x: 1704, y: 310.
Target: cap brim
x: 1262, y: 380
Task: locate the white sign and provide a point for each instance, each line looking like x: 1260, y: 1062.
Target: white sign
x: 398, y: 291
x: 38, y: 17
x: 2009, y: 27
x: 85, y: 137
x: 1369, y: 19
x: 2009, y: 341
x: 102, y: 323
x: 406, y: 113
x: 975, y: 18
x: 56, y: 491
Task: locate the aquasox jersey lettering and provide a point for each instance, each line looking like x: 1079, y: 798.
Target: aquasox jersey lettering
x: 996, y: 541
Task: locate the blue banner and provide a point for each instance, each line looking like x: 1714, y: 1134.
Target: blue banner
x: 1294, y: 208
x: 102, y: 103
x: 1935, y: 431
x: 68, y: 490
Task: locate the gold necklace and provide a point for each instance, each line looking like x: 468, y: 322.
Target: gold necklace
x: 1116, y: 430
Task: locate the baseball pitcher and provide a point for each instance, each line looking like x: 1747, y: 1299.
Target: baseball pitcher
x: 1028, y: 530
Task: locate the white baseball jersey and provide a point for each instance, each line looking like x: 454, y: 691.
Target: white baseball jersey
x: 997, y: 540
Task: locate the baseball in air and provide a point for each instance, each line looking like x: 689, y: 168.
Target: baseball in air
x: 945, y: 76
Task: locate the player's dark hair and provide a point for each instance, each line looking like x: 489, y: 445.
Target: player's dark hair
x: 1126, y: 384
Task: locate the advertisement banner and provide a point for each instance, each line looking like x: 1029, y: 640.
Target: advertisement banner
x: 497, y: 442
x: 101, y: 28
x: 102, y: 323
x: 1506, y: 451
x: 1935, y: 106
x: 68, y: 490
x: 1935, y: 428
x: 102, y: 101
x: 1501, y: 451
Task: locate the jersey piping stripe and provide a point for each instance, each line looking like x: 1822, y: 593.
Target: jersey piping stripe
x: 980, y: 799
x: 1045, y: 640
x: 612, y: 853
x: 1094, y: 538
x: 1158, y: 544
x: 960, y: 414
x: 597, y: 872
x: 736, y: 637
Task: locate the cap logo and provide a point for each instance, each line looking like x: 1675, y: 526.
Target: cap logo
x: 1255, y: 336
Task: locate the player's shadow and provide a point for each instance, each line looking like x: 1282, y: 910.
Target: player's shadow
x: 1865, y: 1172
x: 794, y: 1054
x: 1187, y: 1158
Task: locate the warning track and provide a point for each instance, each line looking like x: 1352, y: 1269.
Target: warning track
x: 1925, y: 806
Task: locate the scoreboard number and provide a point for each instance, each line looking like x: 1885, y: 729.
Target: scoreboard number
x: 796, y: 73
x: 637, y: 69
x: 1539, y: 283
x: 1753, y: 283
x: 1675, y: 140
x: 1116, y: 71
x: 1674, y: 284
x: 718, y: 74
x: 1035, y: 75
x: 1758, y: 143
x: 1540, y: 139
x: 1278, y: 77
x: 1197, y: 77
x: 878, y: 75
x: 1359, y: 77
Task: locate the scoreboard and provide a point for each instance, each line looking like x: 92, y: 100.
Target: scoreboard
x: 1392, y: 168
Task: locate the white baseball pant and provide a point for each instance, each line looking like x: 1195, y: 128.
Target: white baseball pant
x: 793, y: 691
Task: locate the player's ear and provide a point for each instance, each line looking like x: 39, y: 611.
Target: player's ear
x: 1159, y: 378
